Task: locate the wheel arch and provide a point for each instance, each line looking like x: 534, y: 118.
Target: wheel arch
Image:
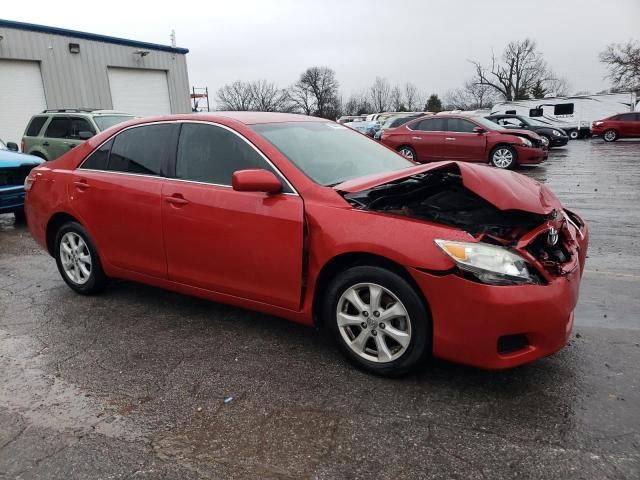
x: 39, y: 154
x: 54, y: 223
x: 343, y: 261
x: 503, y: 144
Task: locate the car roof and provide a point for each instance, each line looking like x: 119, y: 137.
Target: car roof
x: 81, y: 111
x: 246, y: 118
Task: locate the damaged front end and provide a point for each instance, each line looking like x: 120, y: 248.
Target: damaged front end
x: 522, y: 234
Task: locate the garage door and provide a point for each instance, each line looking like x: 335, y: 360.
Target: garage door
x: 141, y: 92
x: 21, y: 96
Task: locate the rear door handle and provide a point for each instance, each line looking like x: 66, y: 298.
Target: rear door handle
x: 450, y: 138
x: 45, y: 144
x: 81, y: 184
x: 177, y: 200
x: 416, y: 138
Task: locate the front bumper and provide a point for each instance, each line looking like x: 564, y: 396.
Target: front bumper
x: 470, y: 318
x: 11, y: 198
x: 531, y: 156
x: 558, y: 141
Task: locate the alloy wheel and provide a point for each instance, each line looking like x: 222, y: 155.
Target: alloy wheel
x: 407, y: 153
x: 610, y: 135
x: 373, y: 322
x: 75, y: 258
x: 502, y: 158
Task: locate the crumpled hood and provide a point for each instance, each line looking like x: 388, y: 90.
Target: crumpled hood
x: 530, y: 134
x: 9, y: 159
x: 504, y: 189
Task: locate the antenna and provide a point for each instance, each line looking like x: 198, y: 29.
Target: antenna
x: 173, y: 38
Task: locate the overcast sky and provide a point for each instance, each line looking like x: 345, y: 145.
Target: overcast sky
x: 424, y: 42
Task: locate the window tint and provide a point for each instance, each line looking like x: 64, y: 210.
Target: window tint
x: 430, y: 125
x: 99, y: 158
x: 536, y: 112
x: 211, y: 154
x: 460, y: 125
x: 35, y: 126
x: 58, y: 127
x: 79, y: 124
x: 142, y: 149
x: 626, y: 117
x: 563, y: 109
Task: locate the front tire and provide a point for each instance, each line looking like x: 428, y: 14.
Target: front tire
x: 378, y: 320
x: 78, y: 261
x: 408, y: 153
x: 610, y: 135
x: 504, y: 157
x: 573, y: 134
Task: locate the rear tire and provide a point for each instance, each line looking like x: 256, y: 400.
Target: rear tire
x: 610, y: 135
x: 408, y: 153
x: 573, y: 134
x: 78, y: 261
x: 378, y: 320
x: 503, y: 157
x: 20, y: 217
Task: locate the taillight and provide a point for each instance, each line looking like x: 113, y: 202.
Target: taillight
x: 22, y: 146
x: 29, y: 181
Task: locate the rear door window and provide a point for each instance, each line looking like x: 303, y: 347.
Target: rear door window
x: 144, y: 150
x: 430, y: 125
x: 35, y: 126
x: 99, y: 159
x: 59, y: 127
x: 79, y: 124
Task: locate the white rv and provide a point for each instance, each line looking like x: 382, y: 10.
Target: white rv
x: 573, y: 114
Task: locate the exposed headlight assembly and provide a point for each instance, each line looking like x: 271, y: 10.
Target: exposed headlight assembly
x: 488, y: 263
x: 556, y: 133
x: 526, y: 142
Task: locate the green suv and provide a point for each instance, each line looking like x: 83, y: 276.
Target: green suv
x: 54, y: 132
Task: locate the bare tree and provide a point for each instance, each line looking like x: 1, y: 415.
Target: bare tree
x: 358, y: 104
x: 267, y: 97
x: 515, y: 73
x: 413, y: 100
x: 623, y: 61
x: 558, y: 87
x: 316, y: 92
x: 235, y: 96
x: 379, y: 94
x: 396, y: 100
x: 472, y: 96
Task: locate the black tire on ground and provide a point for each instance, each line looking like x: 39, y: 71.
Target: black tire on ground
x: 20, y: 217
x: 419, y: 345
x: 610, y: 135
x: 408, y: 152
x: 497, y: 155
x: 573, y: 134
x: 96, y: 280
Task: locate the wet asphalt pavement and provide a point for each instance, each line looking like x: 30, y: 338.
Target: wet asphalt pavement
x: 132, y: 383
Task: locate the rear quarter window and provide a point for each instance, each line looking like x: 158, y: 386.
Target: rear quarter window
x: 99, y: 159
x: 34, y: 127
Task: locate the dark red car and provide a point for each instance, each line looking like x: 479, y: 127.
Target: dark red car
x: 466, y: 139
x: 306, y: 219
x: 622, y: 125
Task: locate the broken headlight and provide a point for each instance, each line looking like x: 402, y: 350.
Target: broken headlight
x: 488, y: 263
x: 526, y: 142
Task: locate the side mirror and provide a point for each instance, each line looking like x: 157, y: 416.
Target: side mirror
x: 480, y: 130
x: 12, y: 146
x: 255, y: 180
x: 85, y: 135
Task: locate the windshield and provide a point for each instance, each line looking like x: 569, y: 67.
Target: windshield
x: 105, y: 121
x: 2, y: 145
x: 329, y: 153
x: 488, y: 124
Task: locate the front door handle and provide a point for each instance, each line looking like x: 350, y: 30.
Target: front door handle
x: 81, y: 184
x: 416, y: 138
x: 45, y: 144
x: 450, y: 139
x: 177, y: 200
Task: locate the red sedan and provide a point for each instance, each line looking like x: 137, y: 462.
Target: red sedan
x: 306, y: 219
x: 467, y: 139
x: 623, y: 125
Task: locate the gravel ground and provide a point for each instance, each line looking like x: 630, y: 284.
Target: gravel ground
x: 144, y: 383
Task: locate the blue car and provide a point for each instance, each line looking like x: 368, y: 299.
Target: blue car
x: 14, y: 167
